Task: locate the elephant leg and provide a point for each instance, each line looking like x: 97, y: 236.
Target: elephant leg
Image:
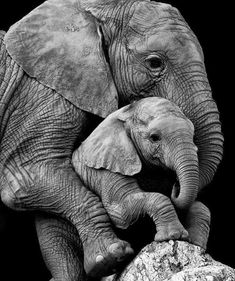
x: 197, y: 223
x: 55, y: 188
x: 168, y: 225
x: 157, y: 206
x: 61, y: 248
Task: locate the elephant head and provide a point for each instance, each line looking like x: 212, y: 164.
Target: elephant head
x: 102, y: 54
x: 153, y: 131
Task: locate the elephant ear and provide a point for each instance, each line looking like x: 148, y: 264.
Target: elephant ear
x: 109, y: 147
x: 60, y: 45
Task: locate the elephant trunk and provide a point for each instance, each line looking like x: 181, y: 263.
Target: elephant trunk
x: 209, y: 140
x: 198, y: 105
x: 185, y: 164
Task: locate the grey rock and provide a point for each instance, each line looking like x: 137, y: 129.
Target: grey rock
x: 174, y: 261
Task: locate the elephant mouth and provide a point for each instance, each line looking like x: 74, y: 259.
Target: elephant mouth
x: 159, y: 179
x: 176, y: 188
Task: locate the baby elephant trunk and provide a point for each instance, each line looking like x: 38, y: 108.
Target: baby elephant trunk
x: 185, y: 164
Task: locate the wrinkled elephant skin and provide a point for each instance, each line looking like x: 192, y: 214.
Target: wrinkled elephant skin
x: 65, y: 65
x: 155, y: 132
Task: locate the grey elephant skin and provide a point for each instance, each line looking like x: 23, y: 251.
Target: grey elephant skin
x: 69, y: 61
x: 116, y: 159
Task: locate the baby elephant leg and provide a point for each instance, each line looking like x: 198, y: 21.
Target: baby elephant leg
x: 159, y: 207
x: 198, y: 224
x: 168, y: 226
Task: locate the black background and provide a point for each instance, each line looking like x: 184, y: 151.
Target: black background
x: 19, y: 252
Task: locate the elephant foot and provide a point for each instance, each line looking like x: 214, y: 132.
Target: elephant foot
x: 104, y: 255
x: 171, y: 231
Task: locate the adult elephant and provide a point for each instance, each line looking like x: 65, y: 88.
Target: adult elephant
x: 68, y: 61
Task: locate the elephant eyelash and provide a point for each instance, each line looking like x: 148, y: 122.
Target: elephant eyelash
x: 155, y: 138
x: 155, y: 63
x: 104, y: 45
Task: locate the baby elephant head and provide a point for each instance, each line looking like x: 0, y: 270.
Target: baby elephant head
x: 152, y: 130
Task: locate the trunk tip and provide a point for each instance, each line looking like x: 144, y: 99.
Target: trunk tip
x: 177, y: 199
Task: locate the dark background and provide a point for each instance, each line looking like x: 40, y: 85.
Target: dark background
x: 19, y: 251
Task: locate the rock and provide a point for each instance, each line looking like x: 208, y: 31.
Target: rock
x: 174, y: 261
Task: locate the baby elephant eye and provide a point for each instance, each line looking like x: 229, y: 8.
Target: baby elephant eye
x: 155, y: 138
x: 154, y: 62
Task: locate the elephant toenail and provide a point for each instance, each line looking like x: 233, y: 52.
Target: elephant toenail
x: 99, y: 259
x: 129, y: 251
x: 114, y: 247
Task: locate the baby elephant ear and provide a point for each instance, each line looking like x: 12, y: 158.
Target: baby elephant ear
x: 109, y: 147
x: 60, y: 45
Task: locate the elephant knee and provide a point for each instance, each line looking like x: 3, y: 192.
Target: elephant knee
x: 8, y: 197
x: 13, y: 191
x: 125, y: 213
x: 12, y: 199
x: 119, y: 215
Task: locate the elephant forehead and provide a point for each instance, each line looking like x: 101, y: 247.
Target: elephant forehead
x: 146, y: 13
x: 160, y: 26
x: 159, y: 113
x: 170, y: 124
x: 156, y: 107
x: 180, y: 45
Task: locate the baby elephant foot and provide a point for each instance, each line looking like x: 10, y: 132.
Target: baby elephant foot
x: 104, y: 255
x: 171, y: 231
x: 198, y: 224
x: 168, y: 226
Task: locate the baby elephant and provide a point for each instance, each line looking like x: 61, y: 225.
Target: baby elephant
x: 147, y: 137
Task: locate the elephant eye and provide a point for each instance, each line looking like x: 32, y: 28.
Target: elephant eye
x: 154, y: 62
x: 155, y: 137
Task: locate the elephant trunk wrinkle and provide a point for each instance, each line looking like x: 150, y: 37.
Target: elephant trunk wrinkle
x: 185, y: 191
x: 203, y: 114
x: 198, y: 105
x: 210, y: 148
